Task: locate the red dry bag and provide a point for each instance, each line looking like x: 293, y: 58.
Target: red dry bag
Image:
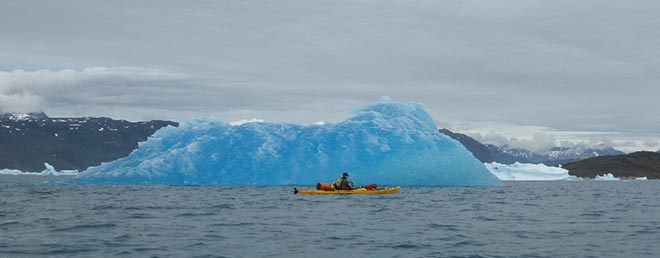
x: 323, y: 186
x: 371, y: 186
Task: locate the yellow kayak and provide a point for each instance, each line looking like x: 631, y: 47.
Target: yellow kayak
x: 390, y: 190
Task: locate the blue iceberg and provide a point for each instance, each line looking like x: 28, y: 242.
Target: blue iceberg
x: 389, y: 143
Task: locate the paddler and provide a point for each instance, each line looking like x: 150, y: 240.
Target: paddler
x: 343, y: 183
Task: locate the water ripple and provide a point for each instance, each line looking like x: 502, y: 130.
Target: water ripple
x: 87, y: 227
x: 520, y: 219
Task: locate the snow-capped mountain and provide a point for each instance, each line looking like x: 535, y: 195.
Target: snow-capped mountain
x: 508, y: 155
x: 551, y: 157
x: 27, y: 141
x: 569, y: 154
x: 23, y: 116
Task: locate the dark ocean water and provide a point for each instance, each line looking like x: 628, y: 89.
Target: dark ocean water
x: 518, y: 219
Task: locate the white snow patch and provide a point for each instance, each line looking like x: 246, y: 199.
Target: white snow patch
x: 18, y: 117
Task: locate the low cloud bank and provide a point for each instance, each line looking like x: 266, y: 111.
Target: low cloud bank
x: 32, y: 91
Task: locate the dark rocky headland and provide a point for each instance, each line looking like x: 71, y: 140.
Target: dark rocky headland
x: 636, y: 164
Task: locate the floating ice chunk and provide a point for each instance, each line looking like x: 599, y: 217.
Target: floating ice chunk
x: 606, y: 177
x: 642, y: 178
x: 49, y: 171
x: 525, y: 171
x: 573, y: 178
x: 389, y: 143
x: 71, y: 172
x: 11, y: 172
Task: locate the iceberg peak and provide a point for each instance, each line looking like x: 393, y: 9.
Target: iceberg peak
x: 385, y: 99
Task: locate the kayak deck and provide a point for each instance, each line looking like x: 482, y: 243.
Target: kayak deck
x: 390, y: 190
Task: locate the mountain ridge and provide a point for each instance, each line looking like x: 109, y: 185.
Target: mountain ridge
x: 554, y: 156
x: 27, y: 141
x: 479, y: 151
x: 23, y: 116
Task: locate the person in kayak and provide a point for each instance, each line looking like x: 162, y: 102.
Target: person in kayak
x: 343, y: 183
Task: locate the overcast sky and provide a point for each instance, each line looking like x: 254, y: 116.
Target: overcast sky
x: 529, y: 72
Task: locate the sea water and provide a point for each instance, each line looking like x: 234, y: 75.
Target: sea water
x: 517, y: 219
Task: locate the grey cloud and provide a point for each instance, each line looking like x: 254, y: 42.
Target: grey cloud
x: 538, y: 143
x: 29, y: 91
x: 565, y: 65
x: 651, y: 143
x: 19, y: 103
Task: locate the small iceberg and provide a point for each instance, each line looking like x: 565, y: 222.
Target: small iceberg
x: 49, y: 171
x: 13, y: 172
x: 527, y: 172
x: 606, y: 177
x: 573, y: 178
